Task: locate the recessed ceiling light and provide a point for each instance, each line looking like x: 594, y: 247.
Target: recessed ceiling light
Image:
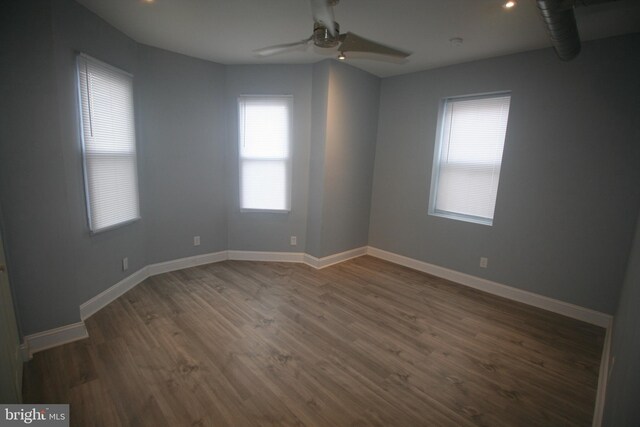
x: 341, y: 57
x: 148, y: 1
x: 509, y: 4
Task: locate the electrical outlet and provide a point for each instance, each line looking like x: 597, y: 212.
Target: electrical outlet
x: 484, y: 262
x: 196, y: 240
x: 294, y: 240
x: 125, y: 264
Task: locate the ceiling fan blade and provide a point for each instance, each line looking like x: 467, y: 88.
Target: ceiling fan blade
x: 272, y: 50
x: 323, y: 12
x: 355, y: 43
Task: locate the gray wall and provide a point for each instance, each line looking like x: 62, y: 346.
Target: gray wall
x: 40, y: 251
x: 319, y: 105
x: 335, y: 115
x: 352, y: 110
x: 263, y: 231
x: 55, y: 263
x: 97, y: 259
x: 567, y: 201
x: 568, y: 194
x: 181, y: 120
x: 621, y: 406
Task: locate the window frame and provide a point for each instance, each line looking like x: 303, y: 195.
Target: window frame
x: 288, y: 181
x: 437, y: 152
x: 80, y: 56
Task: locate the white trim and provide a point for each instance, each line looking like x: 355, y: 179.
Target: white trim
x: 53, y: 338
x: 48, y: 339
x: 540, y: 301
x: 97, y: 303
x: 319, y: 263
x: 299, y: 257
x: 265, y: 256
x: 77, y: 331
x: 603, y: 377
x: 182, y: 263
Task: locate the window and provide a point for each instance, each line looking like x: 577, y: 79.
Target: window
x: 265, y: 150
x: 468, y: 156
x: 109, y: 144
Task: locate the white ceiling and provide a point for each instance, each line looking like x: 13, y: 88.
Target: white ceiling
x: 227, y: 31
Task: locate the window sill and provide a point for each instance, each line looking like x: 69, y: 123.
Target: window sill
x: 465, y: 218
x: 114, y: 226
x: 277, y: 211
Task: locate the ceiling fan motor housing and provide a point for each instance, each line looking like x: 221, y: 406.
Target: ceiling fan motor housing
x: 323, y: 38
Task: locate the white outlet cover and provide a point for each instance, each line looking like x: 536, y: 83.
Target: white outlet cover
x: 125, y: 264
x: 196, y: 240
x: 294, y: 240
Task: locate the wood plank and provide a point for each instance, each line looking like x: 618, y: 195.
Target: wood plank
x: 365, y: 342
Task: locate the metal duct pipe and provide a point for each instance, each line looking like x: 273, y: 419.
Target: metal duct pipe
x: 561, y: 25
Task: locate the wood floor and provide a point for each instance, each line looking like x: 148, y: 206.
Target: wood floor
x: 362, y: 343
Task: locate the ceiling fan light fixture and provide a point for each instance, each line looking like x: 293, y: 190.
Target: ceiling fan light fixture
x: 329, y: 37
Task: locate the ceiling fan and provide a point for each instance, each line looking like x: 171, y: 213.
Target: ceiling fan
x: 326, y: 34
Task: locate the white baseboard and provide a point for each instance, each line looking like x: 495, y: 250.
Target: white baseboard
x: 299, y: 257
x: 515, y: 294
x: 89, y: 308
x: 323, y: 262
x: 53, y: 338
x: 47, y: 339
x: 179, y: 264
x: 265, y: 256
x: 66, y: 334
x: 570, y: 310
x: 603, y: 377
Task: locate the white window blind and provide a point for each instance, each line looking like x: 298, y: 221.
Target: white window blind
x: 265, y: 147
x: 109, y: 144
x: 468, y: 157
